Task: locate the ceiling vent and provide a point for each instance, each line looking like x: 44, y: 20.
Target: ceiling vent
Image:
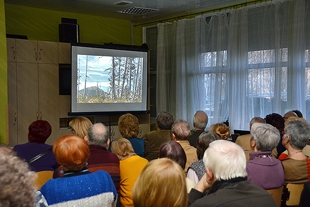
x: 122, y: 3
x: 137, y: 10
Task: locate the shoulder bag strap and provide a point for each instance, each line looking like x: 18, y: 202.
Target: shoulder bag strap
x: 39, y: 156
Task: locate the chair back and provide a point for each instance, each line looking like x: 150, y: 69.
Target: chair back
x: 42, y: 178
x: 294, y: 193
x: 276, y: 193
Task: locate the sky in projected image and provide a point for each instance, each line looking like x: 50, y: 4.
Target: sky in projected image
x: 109, y: 79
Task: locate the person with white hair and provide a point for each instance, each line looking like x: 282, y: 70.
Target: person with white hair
x: 264, y: 170
x: 226, y: 180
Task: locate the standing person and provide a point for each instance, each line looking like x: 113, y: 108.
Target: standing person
x: 264, y: 170
x: 128, y: 126
x: 162, y: 134
x: 78, y: 186
x: 100, y: 158
x: 226, y: 180
x: 197, y: 169
x: 131, y: 166
x: 200, y: 122
x: 244, y: 140
x: 180, y: 132
x: 38, y: 154
x: 161, y: 183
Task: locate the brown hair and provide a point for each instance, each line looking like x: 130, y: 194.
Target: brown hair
x: 221, y: 129
x: 71, y: 152
x: 128, y: 126
x: 161, y: 182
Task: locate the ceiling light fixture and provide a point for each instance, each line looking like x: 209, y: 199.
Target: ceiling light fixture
x: 122, y: 3
x: 137, y: 10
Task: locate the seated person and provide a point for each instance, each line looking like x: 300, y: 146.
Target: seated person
x: 78, y: 186
x: 161, y: 183
x: 264, y: 170
x: 128, y: 126
x: 162, y: 134
x: 100, y: 158
x: 39, y: 132
x: 305, y: 196
x: 225, y: 178
x: 221, y: 129
x: 296, y: 165
x: 200, y: 122
x: 197, y: 169
x: 79, y: 126
x: 131, y: 166
x: 175, y: 152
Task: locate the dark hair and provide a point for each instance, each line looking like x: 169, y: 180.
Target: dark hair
x: 203, y: 141
x: 298, y: 113
x: 164, y: 120
x: 275, y: 120
x: 174, y: 151
x: 39, y: 131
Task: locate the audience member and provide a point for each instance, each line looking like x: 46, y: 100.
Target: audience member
x: 298, y: 113
x: 161, y: 183
x: 306, y: 149
x: 128, y: 126
x: 100, y: 158
x: 79, y: 126
x: 226, y: 180
x: 296, y: 165
x: 200, y: 122
x: 221, y: 129
x: 264, y: 170
x: 78, y: 186
x: 289, y: 114
x: 38, y: 154
x: 175, y: 152
x: 16, y: 181
x: 154, y: 139
x: 305, y: 196
x: 277, y: 121
x: 197, y: 169
x: 131, y: 166
x: 180, y: 132
x: 244, y: 140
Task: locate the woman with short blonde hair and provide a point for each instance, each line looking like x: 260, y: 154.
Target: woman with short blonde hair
x: 162, y: 182
x: 80, y: 126
x: 130, y: 166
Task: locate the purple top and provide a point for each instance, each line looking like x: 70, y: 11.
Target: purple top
x: 31, y: 149
x: 264, y: 170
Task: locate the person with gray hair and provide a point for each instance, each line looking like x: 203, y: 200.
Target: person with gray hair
x: 264, y: 170
x: 162, y: 134
x: 100, y: 158
x: 296, y: 165
x: 244, y: 140
x: 200, y: 122
x: 180, y: 132
x: 225, y: 178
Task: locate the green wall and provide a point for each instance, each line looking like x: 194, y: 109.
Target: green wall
x: 42, y: 24
x: 3, y: 77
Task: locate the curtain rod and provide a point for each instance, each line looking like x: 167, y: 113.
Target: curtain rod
x: 235, y: 6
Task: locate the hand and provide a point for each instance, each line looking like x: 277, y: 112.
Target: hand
x: 203, y: 185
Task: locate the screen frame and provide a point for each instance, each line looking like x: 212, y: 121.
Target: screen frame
x: 109, y: 50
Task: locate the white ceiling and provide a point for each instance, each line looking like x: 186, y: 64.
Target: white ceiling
x: 166, y: 8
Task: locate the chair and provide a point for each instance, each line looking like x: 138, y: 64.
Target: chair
x: 276, y: 193
x: 42, y: 178
x: 294, y: 193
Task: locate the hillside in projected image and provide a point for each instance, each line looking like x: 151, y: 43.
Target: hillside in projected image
x: 107, y: 79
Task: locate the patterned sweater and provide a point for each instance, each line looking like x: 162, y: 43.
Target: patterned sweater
x: 92, y: 189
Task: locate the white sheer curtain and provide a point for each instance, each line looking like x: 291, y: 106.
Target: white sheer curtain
x: 236, y: 64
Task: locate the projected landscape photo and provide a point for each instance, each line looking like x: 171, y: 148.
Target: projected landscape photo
x: 107, y: 79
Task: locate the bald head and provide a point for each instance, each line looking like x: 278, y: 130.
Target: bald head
x: 200, y: 120
x: 98, y: 135
x: 289, y: 114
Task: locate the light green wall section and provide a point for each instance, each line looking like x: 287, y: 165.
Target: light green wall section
x: 3, y: 77
x: 42, y: 24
